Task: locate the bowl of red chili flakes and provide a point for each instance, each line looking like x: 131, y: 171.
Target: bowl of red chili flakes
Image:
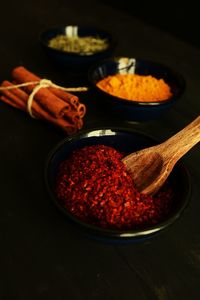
x: 135, y: 89
x: 88, y: 182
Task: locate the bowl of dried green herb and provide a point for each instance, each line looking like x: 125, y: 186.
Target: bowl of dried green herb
x: 75, y: 47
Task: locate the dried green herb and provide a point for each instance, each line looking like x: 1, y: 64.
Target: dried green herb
x: 82, y: 45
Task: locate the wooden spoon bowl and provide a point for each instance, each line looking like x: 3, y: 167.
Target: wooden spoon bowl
x: 151, y: 167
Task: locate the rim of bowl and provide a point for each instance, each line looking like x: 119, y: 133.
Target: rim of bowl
x: 115, y: 233
x: 112, y: 40
x: 114, y: 59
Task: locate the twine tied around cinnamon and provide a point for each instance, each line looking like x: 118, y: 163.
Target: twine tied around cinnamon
x: 43, y: 83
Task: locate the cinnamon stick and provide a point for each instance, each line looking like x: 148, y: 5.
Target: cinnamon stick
x: 53, y: 104
x: 18, y: 98
x: 81, y: 110
x: 65, y: 96
x: 64, y: 124
x: 10, y: 102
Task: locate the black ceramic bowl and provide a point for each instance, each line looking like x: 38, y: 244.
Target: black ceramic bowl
x: 126, y: 141
x: 129, y: 109
x: 73, y: 60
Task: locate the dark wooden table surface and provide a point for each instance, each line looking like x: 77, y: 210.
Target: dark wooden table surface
x: 42, y: 256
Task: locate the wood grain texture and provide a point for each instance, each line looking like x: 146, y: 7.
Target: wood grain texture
x: 151, y: 167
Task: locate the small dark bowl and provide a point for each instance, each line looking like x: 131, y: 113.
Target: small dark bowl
x: 126, y: 141
x: 129, y: 109
x: 65, y: 60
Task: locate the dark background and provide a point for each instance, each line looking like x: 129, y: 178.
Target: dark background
x: 180, y: 18
x: 42, y: 256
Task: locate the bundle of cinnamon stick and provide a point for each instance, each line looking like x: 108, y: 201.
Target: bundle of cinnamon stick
x: 51, y: 104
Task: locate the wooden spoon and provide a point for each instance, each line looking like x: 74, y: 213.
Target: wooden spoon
x: 150, y: 167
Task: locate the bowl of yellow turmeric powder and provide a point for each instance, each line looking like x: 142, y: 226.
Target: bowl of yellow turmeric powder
x: 136, y: 89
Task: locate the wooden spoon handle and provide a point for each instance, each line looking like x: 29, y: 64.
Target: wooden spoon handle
x: 180, y: 143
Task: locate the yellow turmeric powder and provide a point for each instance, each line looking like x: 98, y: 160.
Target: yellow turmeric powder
x: 143, y: 88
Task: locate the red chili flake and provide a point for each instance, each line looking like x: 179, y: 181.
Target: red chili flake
x: 94, y: 185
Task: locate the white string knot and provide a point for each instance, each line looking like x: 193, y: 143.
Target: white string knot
x: 43, y: 83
